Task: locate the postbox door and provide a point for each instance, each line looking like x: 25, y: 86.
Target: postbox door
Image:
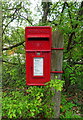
x: 37, y: 68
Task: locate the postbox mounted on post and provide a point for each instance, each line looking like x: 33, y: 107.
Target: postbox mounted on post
x: 38, y: 54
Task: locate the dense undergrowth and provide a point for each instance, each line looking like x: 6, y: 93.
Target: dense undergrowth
x: 30, y: 102
x: 36, y: 102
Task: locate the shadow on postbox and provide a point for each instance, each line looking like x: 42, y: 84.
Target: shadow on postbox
x: 38, y: 54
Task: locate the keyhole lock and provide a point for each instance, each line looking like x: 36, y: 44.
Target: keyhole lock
x: 38, y: 53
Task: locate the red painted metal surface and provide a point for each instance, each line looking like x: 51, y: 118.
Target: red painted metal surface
x: 38, y: 54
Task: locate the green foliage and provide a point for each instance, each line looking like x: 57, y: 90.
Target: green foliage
x: 18, y: 105
x: 74, y: 73
x: 30, y: 102
x: 67, y: 109
x: 13, y: 76
x: 56, y: 84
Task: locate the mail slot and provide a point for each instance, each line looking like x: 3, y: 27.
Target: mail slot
x: 38, y: 54
x: 39, y: 39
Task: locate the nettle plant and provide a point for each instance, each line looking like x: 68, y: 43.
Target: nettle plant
x: 34, y: 102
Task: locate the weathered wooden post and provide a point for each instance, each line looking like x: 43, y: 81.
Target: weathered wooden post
x: 57, y: 57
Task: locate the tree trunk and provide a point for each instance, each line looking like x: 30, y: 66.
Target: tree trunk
x: 57, y: 57
x: 46, y: 9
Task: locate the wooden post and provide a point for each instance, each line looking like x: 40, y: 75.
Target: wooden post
x: 57, y: 57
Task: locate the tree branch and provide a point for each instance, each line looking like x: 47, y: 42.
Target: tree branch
x: 62, y: 12
x: 46, y: 10
x: 70, y: 40
x: 80, y: 63
x: 27, y: 19
x: 11, y: 19
x: 73, y: 27
x: 18, y: 44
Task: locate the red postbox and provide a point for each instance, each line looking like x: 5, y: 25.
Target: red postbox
x: 38, y: 54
